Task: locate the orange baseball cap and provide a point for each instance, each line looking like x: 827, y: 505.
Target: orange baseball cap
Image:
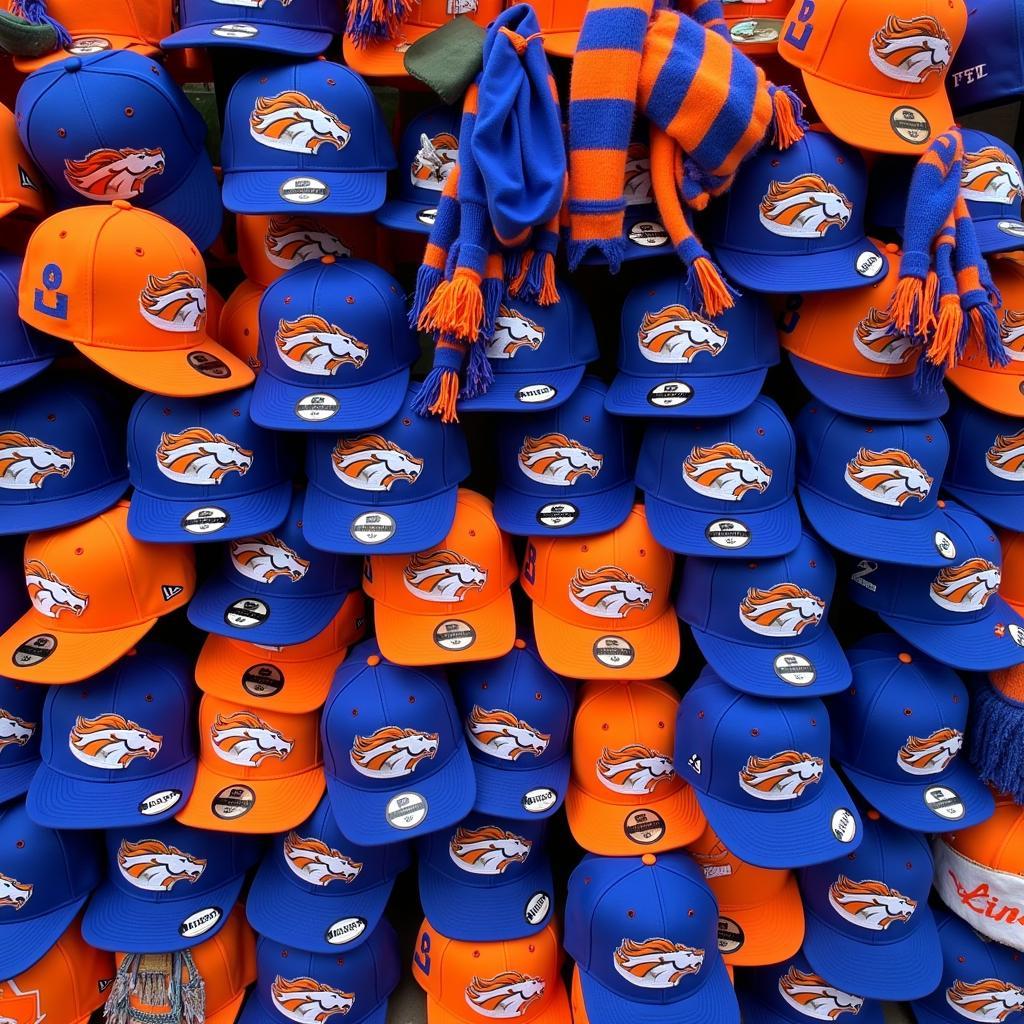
x: 128, y: 289
x: 64, y: 987
x: 21, y: 185
x: 755, y: 27
x: 1011, y: 588
x: 625, y: 797
x: 240, y: 324
x: 96, y: 591
x: 259, y: 770
x: 876, y: 72
x: 1000, y: 388
x: 214, y: 311
x: 560, y: 21
x: 293, y: 679
x: 465, y: 981
x: 452, y: 602
x: 601, y: 607
x: 760, y: 914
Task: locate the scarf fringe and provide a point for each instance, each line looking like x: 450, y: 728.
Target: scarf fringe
x: 611, y: 249
x: 943, y: 347
x: 438, y: 394
x: 997, y: 721
x: 479, y: 375
x: 709, y: 292
x: 34, y: 12
x: 456, y: 307
x: 985, y: 331
x: 369, y: 20
x: 428, y: 280
x: 788, y: 123
x: 534, y: 279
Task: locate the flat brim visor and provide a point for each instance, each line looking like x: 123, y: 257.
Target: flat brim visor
x: 561, y: 44
x: 563, y: 511
x: 1000, y: 392
x: 403, y: 215
x: 1006, y: 510
x: 506, y: 791
x: 24, y: 942
x: 228, y: 1013
x: 194, y: 206
x: 997, y: 234
x: 384, y: 58
x: 116, y: 42
x: 57, y: 512
x: 13, y: 374
x: 772, y: 931
x: 15, y: 779
x: 304, y: 191
x: 526, y: 391
x: 682, y: 395
x: 250, y: 35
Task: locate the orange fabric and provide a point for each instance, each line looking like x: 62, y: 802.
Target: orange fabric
x: 240, y: 324
x: 997, y: 843
x: 21, y: 185
x: 1011, y: 589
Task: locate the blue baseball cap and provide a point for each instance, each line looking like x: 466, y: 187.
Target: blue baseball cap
x: 62, y: 454
x: 24, y: 351
x: 988, y: 67
x: 953, y: 614
x: 274, y: 588
x: 203, y: 471
x: 315, y: 890
x: 167, y: 887
x: 793, y: 220
x: 762, y: 775
x: 429, y: 152
x: 356, y: 984
x: 567, y: 470
x: 127, y: 131
x: 539, y: 354
x: 762, y: 625
x: 118, y: 749
x: 869, y: 927
x: 486, y: 862
x: 675, y: 362
x: 396, y: 761
x: 45, y: 878
x: 335, y: 346
x: 387, y: 491
x: 517, y: 716
x: 644, y: 934
x: 872, y: 488
x: 722, y: 487
x: 302, y: 28
x: 899, y: 733
x: 21, y: 710
x: 306, y: 136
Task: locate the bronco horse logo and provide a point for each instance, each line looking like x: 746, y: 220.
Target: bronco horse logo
x: 512, y: 332
x: 876, y: 338
x: 990, y: 176
x: 14, y: 893
x: 487, y: 850
x: 910, y: 49
x: 637, y: 188
x: 657, y: 962
x: 243, y: 738
x: 373, y: 463
x: 291, y: 240
x: 49, y: 594
x: 931, y: 754
x: 106, y: 174
x: 175, y: 302
x: 434, y: 161
x: 634, y: 768
x: 156, y: 867
x: 314, y: 861
x: 783, y: 610
x: 608, y: 592
x: 267, y: 558
x: 1011, y: 332
x: 805, y: 207
x: 306, y: 1001
x: 392, y: 752
x: 986, y: 1000
x: 1006, y: 456
x: 312, y: 345
x: 783, y: 776
x: 197, y: 456
x: 675, y: 334
x: 889, y: 477
x: 505, y: 996
x: 725, y: 471
x: 502, y: 735
x: 26, y: 463
x: 293, y: 122
x: 111, y: 741
x: 965, y: 587
x: 870, y: 904
x: 14, y: 731
x: 443, y: 576
x: 558, y: 460
x: 812, y: 996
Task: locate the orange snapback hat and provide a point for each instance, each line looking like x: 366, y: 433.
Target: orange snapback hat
x: 560, y: 22
x: 240, y: 324
x: 21, y: 185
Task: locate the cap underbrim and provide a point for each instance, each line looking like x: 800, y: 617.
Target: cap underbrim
x: 711, y: 396
x: 133, y: 43
x: 15, y: 779
x: 403, y: 215
x: 772, y: 931
x: 501, y: 396
x: 302, y: 42
x: 991, y: 237
x: 194, y: 206
x: 596, y: 512
x: 784, y: 273
x: 347, y: 191
x: 50, y: 515
x: 23, y: 943
x: 501, y: 791
x: 1006, y: 510
x: 555, y: 1011
x: 13, y: 374
x: 254, y: 1012
x: 1000, y: 392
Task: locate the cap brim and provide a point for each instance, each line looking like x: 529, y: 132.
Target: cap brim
x: 501, y: 791
x: 561, y: 44
x: 23, y: 943
x: 228, y: 1013
x: 347, y: 191
x: 772, y: 931
x: 595, y: 512
x: 13, y: 374
x: 555, y: 1011
x: 1006, y: 510
x: 503, y: 394
x: 382, y: 58
x: 136, y: 45
x: 992, y: 238
x: 15, y: 779
x: 402, y: 215
x: 254, y: 1012
x: 50, y: 515
x: 1000, y: 392
x: 710, y: 396
x: 194, y: 206
x: 302, y: 42
x: 778, y: 274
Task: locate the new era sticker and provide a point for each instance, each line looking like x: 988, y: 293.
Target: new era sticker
x: 170, y: 591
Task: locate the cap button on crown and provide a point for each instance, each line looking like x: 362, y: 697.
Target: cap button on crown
x: 327, y: 259
x: 649, y: 859
x: 373, y: 659
x: 121, y: 204
x: 520, y: 644
x: 73, y: 64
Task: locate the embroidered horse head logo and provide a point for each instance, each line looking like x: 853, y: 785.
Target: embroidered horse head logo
x: 634, y: 768
x: 1006, y: 456
x: 929, y: 755
x: 637, y: 189
x: 812, y: 996
x: 870, y: 904
x: 675, y: 334
x: 14, y: 893
x: 725, y: 471
x: 291, y: 240
x: 502, y: 735
x: 15, y: 731
x: 783, y: 610
x: 1011, y: 332
x: 783, y: 776
x: 434, y: 161
x: 312, y: 860
x: 505, y: 996
x: 267, y: 558
x: 987, y: 1000
x: 608, y: 592
x: 49, y: 594
x: 156, y: 867
x: 443, y: 576
x: 990, y: 176
x: 487, y: 850
x: 175, y: 302
x: 657, y: 962
x: 910, y: 49
x: 558, y: 460
x: 243, y: 738
x: 106, y: 174
x: 306, y: 1001
x: 111, y: 741
x: 293, y: 122
x: 392, y: 752
x: 512, y: 332
x: 889, y: 477
x: 197, y: 456
x: 965, y: 587
x: 373, y: 463
x: 804, y: 207
x: 312, y: 345
x: 26, y: 462
x: 876, y: 338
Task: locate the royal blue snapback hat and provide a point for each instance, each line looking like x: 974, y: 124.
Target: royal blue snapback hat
x: 762, y: 625
x: 395, y: 758
x: 385, y: 491
x: 274, y: 587
x: 45, y: 878
x: 21, y: 711
x: 869, y: 927
x: 167, y: 887
x: 302, y: 28
x: 24, y: 351
x: 872, y: 488
x: 335, y: 346
x: 793, y: 220
x: 675, y: 362
x: 202, y: 470
x: 62, y: 454
x: 115, y: 125
x: 304, y: 137
x: 316, y: 890
x: 762, y: 775
x: 988, y: 66
x: 644, y: 934
x: 722, y: 487
x: 567, y: 470
x: 954, y: 614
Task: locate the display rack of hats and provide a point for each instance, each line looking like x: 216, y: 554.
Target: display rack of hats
x: 356, y: 578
